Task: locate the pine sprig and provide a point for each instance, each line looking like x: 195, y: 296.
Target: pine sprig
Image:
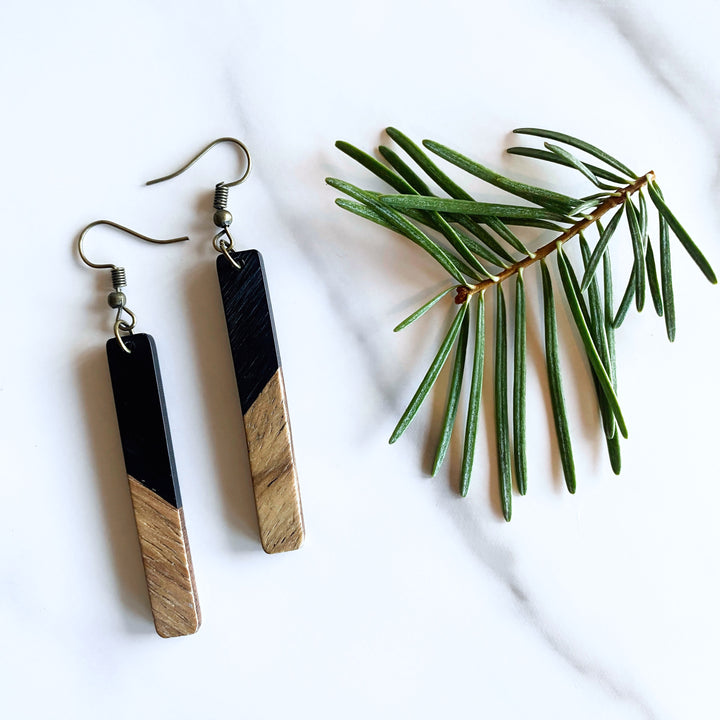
x: 474, y: 243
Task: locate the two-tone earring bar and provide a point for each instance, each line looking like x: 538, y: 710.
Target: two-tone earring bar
x: 258, y: 371
x: 149, y: 460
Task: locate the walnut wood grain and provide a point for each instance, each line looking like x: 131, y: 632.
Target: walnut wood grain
x: 168, y: 566
x: 272, y: 465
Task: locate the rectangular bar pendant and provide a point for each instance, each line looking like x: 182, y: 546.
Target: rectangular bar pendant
x: 150, y: 466
x: 258, y: 372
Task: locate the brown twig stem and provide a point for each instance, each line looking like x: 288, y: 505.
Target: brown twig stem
x: 545, y: 250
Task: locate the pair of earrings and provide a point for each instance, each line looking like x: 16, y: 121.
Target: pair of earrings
x: 145, y: 433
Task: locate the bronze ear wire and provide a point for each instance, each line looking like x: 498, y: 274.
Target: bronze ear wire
x: 222, y: 217
x: 117, y: 299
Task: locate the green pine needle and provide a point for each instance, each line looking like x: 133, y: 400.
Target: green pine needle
x: 613, y: 445
x: 590, y: 349
x: 401, y: 225
x: 468, y: 207
x: 597, y: 328
x: 502, y: 427
x: 578, y: 165
x: 431, y: 375
x: 681, y: 233
x: 608, y: 315
x: 599, y: 250
x: 473, y: 414
x: 653, y: 282
x: 548, y: 199
x: 450, y: 187
x: 519, y: 385
x: 499, y: 226
x: 422, y: 310
x: 638, y: 252
x: 559, y: 160
x: 581, y: 145
x: 404, y: 170
x: 453, y: 395
x: 557, y: 398
x: 668, y: 295
x: 626, y: 301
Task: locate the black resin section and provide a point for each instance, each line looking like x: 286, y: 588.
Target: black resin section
x: 250, y: 325
x: 142, y: 416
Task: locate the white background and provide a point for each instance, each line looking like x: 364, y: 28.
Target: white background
x: 406, y: 600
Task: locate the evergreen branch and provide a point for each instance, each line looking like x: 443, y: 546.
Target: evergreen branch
x: 488, y: 226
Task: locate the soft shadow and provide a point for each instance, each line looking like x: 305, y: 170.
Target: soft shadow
x: 104, y: 440
x: 224, y: 418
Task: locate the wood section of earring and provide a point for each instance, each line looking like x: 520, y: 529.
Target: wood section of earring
x: 258, y: 372
x: 150, y: 464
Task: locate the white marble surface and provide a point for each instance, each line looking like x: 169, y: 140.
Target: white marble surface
x: 406, y: 600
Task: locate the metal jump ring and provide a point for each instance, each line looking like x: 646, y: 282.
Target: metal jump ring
x: 224, y: 247
x: 124, y: 326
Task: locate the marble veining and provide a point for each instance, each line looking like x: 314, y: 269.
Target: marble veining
x: 656, y: 48
x: 405, y: 601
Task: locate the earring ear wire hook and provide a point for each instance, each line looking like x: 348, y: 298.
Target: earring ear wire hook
x: 222, y: 218
x: 201, y: 153
x: 112, y: 266
x: 117, y: 298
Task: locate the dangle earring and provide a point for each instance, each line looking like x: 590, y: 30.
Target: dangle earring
x: 254, y: 349
x: 149, y: 461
